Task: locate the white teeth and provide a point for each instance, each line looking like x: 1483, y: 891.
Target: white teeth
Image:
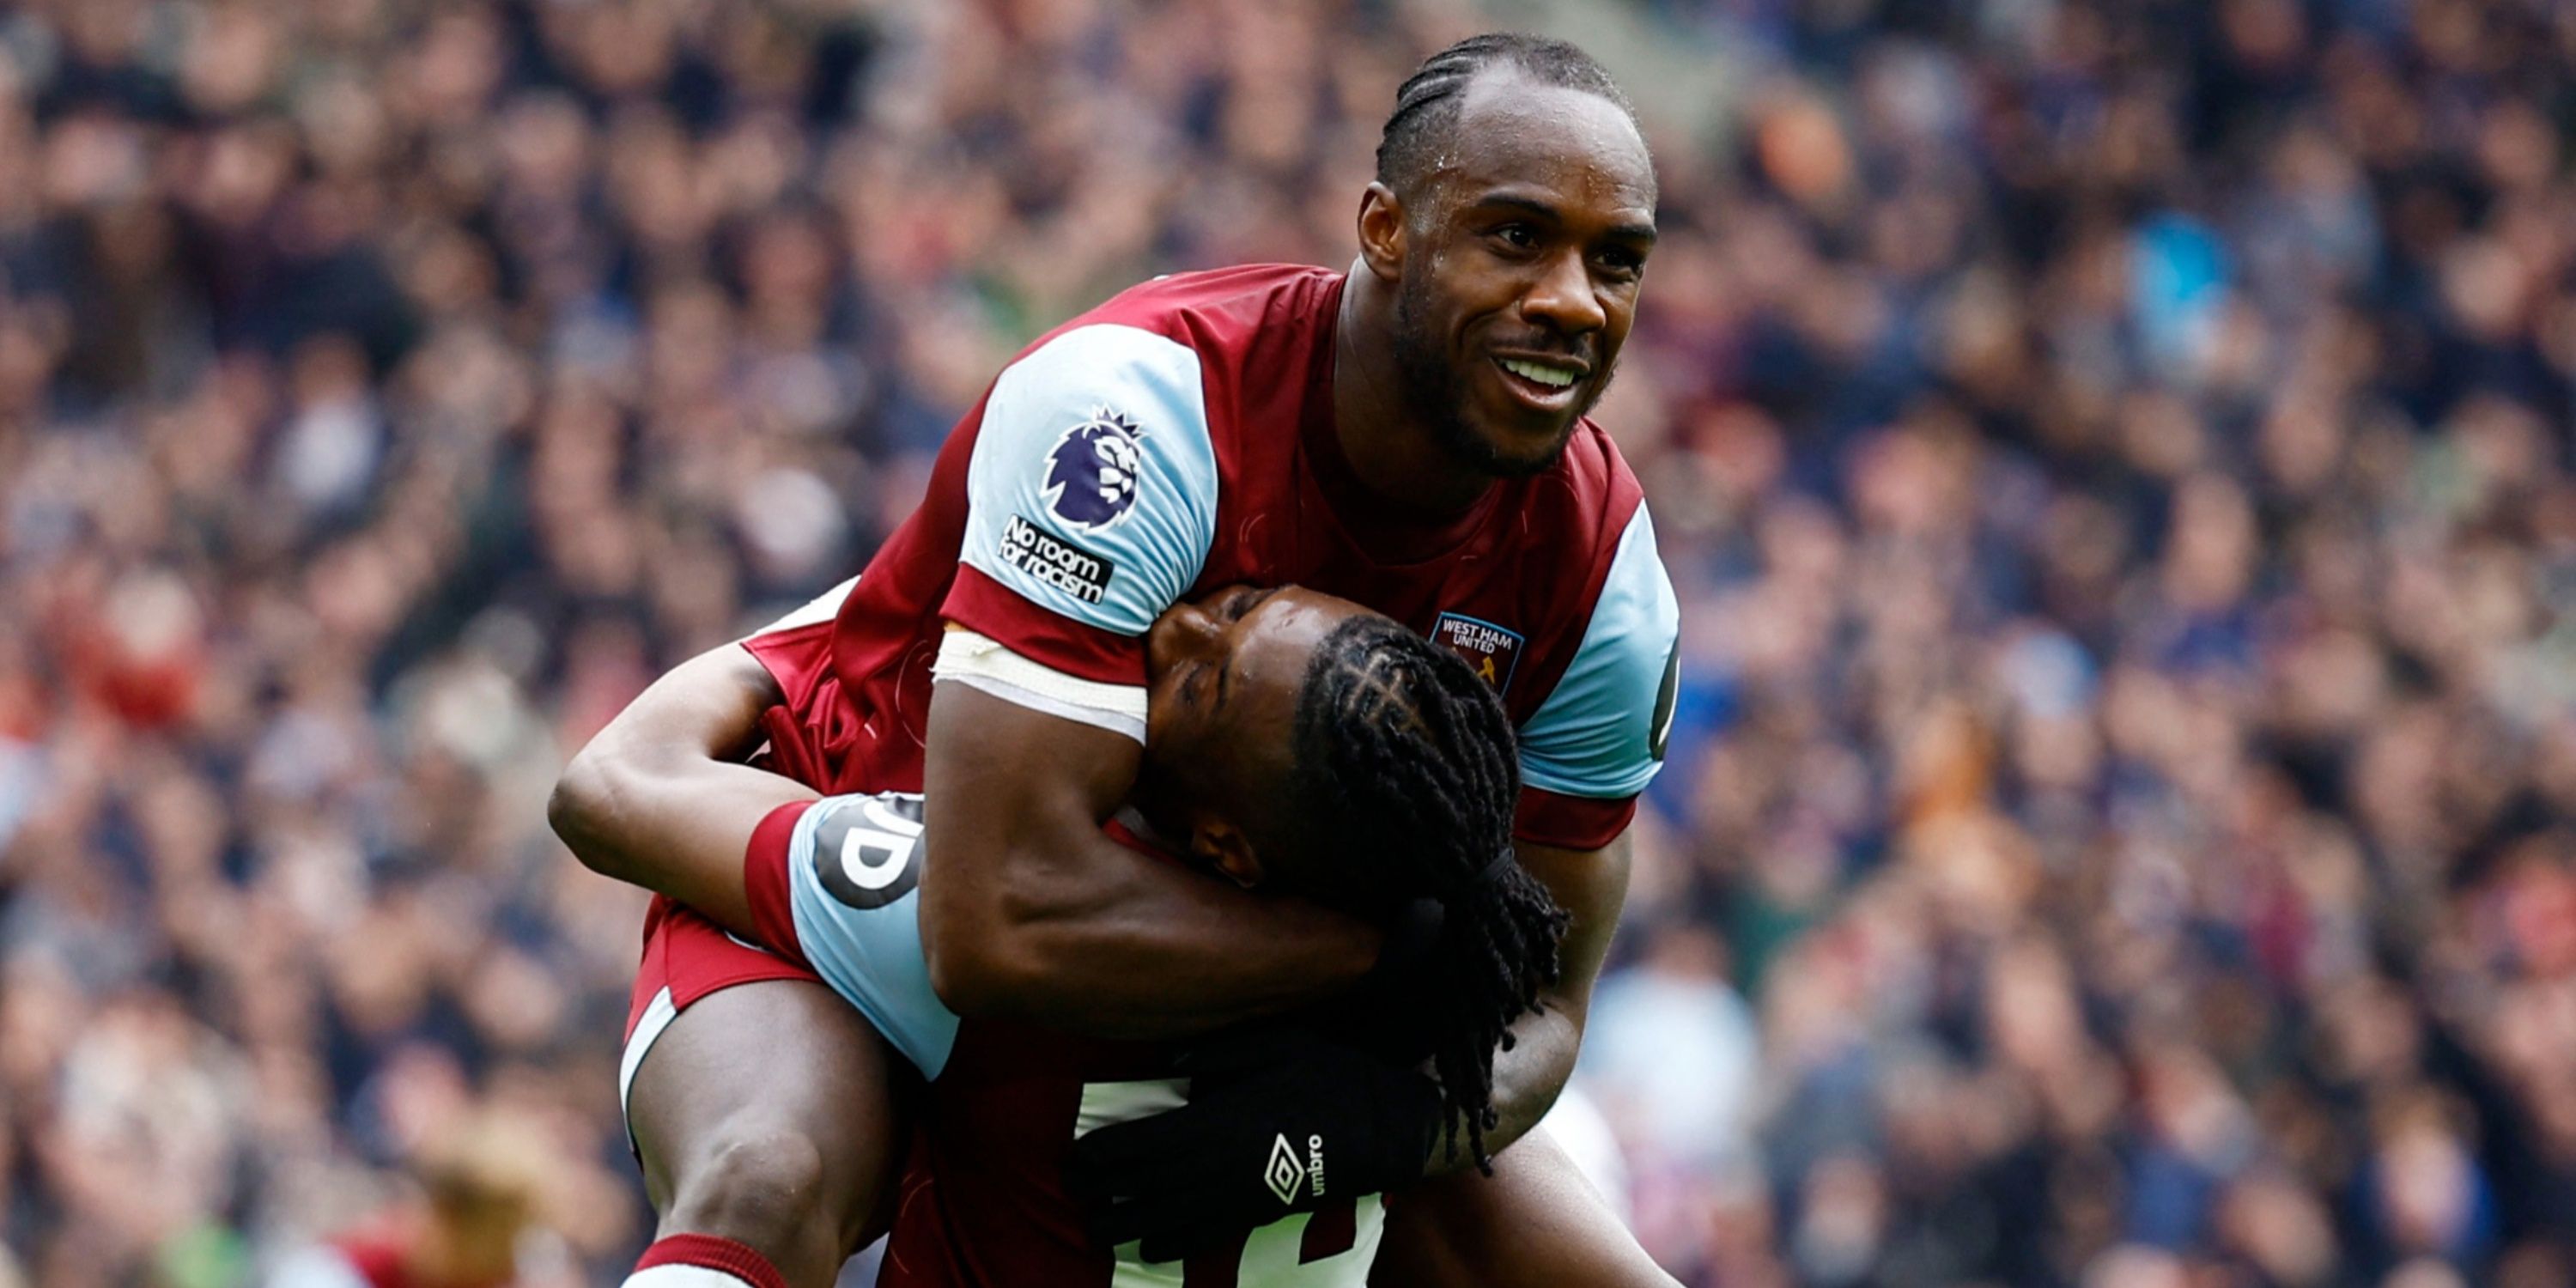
x: 1551, y: 377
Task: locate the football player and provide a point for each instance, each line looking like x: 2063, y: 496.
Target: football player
x: 1269, y: 711
x: 1409, y: 434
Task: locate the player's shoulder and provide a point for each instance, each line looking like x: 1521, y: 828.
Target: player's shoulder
x: 1188, y: 358
x: 1610, y: 524
x: 1600, y: 730
x: 1217, y: 322
x: 1097, y: 467
x: 1221, y: 309
x: 1593, y: 498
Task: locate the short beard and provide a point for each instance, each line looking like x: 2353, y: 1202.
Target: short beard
x: 1433, y: 395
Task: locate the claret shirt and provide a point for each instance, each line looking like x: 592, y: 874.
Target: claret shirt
x: 1174, y: 440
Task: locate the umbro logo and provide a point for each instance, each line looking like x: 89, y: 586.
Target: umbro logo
x: 1286, y: 1173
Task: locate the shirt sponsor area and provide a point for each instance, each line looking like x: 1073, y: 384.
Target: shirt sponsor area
x: 1044, y: 557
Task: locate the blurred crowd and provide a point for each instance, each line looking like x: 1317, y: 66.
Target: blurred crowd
x: 2120, y: 831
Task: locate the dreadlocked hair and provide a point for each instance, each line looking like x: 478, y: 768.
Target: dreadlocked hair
x: 1427, y: 103
x: 1407, y: 756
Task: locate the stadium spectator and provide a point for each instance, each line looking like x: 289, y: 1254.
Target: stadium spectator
x: 480, y: 1183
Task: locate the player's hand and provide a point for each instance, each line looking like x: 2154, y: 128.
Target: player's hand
x: 1280, y: 1120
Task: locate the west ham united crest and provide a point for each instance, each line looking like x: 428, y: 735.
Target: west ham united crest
x: 1490, y: 649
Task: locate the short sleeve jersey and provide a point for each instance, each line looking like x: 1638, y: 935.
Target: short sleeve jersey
x: 1177, y: 439
x: 1180, y: 438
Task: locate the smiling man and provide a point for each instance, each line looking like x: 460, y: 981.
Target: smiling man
x: 1408, y: 435
x: 1462, y: 211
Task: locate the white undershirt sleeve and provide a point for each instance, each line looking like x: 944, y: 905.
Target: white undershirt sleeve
x: 984, y: 664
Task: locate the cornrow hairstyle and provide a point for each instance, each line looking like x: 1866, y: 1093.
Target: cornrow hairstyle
x: 1407, y: 756
x: 1426, y: 105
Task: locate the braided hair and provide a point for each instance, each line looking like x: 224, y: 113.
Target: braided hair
x: 1409, y: 759
x: 1427, y: 103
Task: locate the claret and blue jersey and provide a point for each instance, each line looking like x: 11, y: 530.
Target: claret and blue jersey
x: 1177, y: 439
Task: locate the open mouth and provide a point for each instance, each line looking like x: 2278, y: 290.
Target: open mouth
x: 1541, y: 382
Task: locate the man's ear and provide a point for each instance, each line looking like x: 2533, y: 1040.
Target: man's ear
x: 1223, y: 846
x: 1382, y: 232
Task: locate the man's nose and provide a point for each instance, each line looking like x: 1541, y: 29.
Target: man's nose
x: 1563, y: 298
x: 1193, y: 632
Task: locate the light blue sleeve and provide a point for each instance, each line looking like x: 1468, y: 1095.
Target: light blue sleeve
x: 1601, y: 733
x: 1093, y: 488
x: 854, y: 889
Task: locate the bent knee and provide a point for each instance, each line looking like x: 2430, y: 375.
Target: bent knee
x: 763, y: 1185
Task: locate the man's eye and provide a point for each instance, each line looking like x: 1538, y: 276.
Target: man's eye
x: 1517, y: 235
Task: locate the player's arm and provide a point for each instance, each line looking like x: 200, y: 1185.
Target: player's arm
x: 1181, y: 1180
x: 660, y: 798
x: 1029, y: 910
x: 1536, y: 1222
x: 1590, y: 885
x: 1585, y: 754
x: 1092, y: 496
x: 1178, y: 1179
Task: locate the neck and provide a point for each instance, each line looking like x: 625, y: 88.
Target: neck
x: 1391, y: 451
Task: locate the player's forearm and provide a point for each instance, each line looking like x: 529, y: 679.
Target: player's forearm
x: 1028, y: 910
x: 1527, y: 1078
x: 1136, y: 947
x: 655, y: 799
x: 1591, y: 886
x: 678, y: 829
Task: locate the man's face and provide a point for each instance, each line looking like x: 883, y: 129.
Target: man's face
x: 1223, y: 675
x: 1525, y: 245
